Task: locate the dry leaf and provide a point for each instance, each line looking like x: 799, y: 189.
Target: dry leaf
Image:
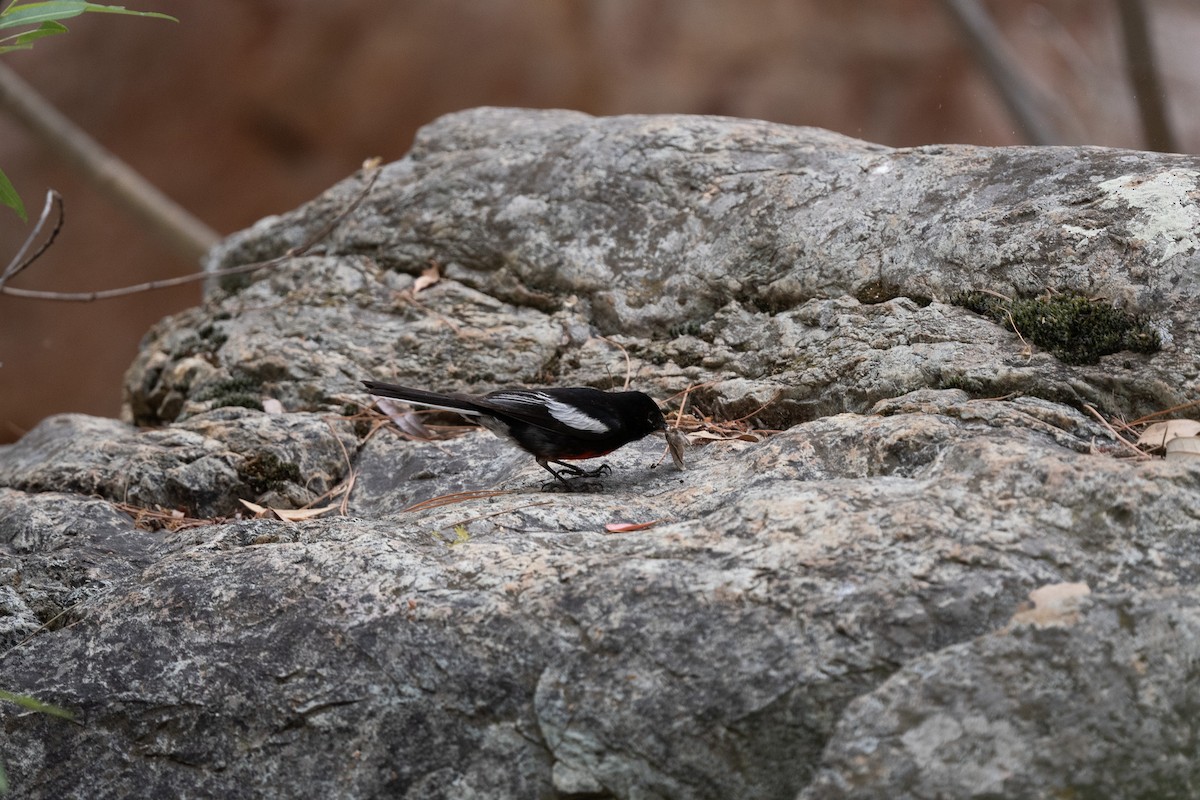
x: 676, y: 442
x: 255, y: 507
x: 285, y: 514
x: 627, y: 527
x: 301, y: 514
x: 404, y: 418
x: 1183, y: 447
x: 428, y: 277
x: 1158, y: 434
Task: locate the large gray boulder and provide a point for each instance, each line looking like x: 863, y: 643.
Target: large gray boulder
x: 837, y: 610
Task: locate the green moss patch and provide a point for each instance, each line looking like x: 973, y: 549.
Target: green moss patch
x: 241, y: 390
x: 265, y: 472
x: 1073, y: 328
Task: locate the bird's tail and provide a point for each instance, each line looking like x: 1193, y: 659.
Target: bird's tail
x: 447, y: 402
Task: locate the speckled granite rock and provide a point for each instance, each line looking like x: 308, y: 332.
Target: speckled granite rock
x: 807, y: 609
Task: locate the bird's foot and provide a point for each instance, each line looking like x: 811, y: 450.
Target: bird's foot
x: 574, y: 479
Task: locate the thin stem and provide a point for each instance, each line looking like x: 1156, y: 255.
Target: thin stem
x: 182, y: 231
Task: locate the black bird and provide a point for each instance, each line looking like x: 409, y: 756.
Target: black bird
x: 551, y: 424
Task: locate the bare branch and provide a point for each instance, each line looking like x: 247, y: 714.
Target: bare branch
x: 183, y: 232
x: 1144, y: 77
x: 108, y: 294
x: 1002, y: 68
x: 19, y: 262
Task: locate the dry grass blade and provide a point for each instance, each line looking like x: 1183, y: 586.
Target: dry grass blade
x: 157, y: 519
x: 1128, y: 444
x: 629, y: 527
x: 1165, y: 412
x: 351, y: 474
x: 456, y: 497
x: 45, y: 626
x: 628, y: 361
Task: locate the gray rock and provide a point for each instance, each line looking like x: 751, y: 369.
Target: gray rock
x: 826, y: 612
x: 201, y: 466
x: 1097, y: 706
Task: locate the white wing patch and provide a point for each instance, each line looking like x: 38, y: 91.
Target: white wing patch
x: 565, y: 413
x: 572, y: 417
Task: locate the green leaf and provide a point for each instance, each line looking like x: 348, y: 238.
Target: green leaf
x: 33, y: 704
x: 25, y: 39
x: 123, y: 10
x: 10, y: 198
x: 37, y: 13
x: 52, y: 10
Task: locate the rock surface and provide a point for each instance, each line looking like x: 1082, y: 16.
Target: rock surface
x: 834, y: 611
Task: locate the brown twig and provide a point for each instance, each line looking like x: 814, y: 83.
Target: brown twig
x: 43, y: 627
x: 1012, y: 323
x: 1002, y: 68
x: 108, y: 294
x: 169, y: 520
x: 1140, y: 453
x: 1144, y: 79
x: 176, y: 226
x: 1164, y: 412
x: 456, y: 497
x: 19, y: 262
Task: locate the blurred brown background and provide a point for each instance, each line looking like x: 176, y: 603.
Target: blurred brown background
x: 250, y: 107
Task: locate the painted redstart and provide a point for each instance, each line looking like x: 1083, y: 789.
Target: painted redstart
x: 553, y: 425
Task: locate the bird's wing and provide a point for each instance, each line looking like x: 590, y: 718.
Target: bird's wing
x: 545, y: 410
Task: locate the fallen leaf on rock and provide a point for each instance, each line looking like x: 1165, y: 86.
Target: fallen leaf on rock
x: 408, y: 421
x: 1160, y: 434
x: 428, y: 277
x: 285, y: 514
x: 628, y: 527
x: 1183, y: 447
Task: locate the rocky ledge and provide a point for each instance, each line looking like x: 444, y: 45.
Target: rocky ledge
x: 940, y: 574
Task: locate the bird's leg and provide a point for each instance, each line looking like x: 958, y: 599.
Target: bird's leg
x: 576, y: 472
x: 579, y: 472
x: 546, y: 466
